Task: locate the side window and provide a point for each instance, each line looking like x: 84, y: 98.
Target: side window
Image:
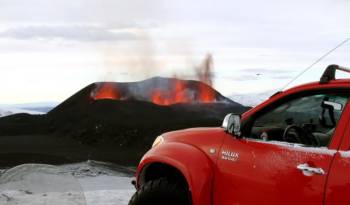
x: 308, y: 120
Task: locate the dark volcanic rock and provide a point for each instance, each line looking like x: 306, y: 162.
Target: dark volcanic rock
x: 21, y: 124
x: 113, y: 130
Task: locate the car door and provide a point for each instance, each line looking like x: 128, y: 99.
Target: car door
x: 273, y: 165
x: 338, y: 183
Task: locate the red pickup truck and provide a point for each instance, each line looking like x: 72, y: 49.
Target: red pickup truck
x: 292, y: 149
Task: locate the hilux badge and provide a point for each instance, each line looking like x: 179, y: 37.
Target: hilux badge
x: 228, y: 155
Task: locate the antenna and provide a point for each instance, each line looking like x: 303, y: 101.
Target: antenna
x: 317, y: 61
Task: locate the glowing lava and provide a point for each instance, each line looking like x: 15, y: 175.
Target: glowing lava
x: 180, y: 95
x: 159, y: 97
x: 177, y: 94
x: 173, y: 91
x: 106, y: 91
x: 206, y: 94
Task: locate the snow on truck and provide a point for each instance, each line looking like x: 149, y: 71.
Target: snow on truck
x: 291, y: 149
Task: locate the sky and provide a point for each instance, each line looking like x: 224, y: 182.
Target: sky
x: 51, y: 49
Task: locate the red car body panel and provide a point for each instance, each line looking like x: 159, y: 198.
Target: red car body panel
x: 338, y: 186
x: 267, y: 173
x: 259, y: 171
x: 195, y: 162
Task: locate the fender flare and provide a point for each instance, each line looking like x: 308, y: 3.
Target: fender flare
x: 192, y: 162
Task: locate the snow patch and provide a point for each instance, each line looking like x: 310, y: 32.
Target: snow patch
x: 91, y: 183
x: 29, y: 108
x: 10, y: 111
x: 251, y: 99
x: 344, y: 154
x: 108, y: 197
x: 317, y: 150
x: 299, y: 147
x: 28, y: 198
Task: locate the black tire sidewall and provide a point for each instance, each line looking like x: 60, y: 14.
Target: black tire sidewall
x: 160, y: 192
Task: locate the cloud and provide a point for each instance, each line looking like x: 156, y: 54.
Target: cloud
x: 74, y: 33
x: 80, y: 11
x: 259, y: 74
x: 265, y: 71
x: 255, y: 77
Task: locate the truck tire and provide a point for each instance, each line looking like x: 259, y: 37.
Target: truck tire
x: 160, y: 192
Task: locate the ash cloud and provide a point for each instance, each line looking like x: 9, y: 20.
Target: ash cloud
x: 146, y: 58
x: 136, y: 60
x: 205, y: 72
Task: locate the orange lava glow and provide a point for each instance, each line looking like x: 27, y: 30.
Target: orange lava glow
x: 107, y: 91
x: 178, y: 91
x: 179, y: 94
x: 159, y: 98
x: 206, y: 94
x: 174, y: 96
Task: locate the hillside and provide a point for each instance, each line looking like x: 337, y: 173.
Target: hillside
x: 109, y: 128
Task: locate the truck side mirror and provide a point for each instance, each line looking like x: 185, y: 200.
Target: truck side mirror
x: 334, y: 105
x: 232, y: 124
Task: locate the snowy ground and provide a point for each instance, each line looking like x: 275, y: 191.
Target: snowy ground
x: 251, y: 99
x: 30, y: 108
x: 6, y: 111
x: 91, y: 183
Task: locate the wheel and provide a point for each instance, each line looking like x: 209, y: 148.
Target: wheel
x: 160, y: 192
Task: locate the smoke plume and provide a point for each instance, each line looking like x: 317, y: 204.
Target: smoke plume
x: 204, y: 71
x: 143, y: 59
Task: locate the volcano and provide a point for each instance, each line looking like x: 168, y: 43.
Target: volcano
x: 116, y: 122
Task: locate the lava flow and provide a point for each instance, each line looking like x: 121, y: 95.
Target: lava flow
x: 160, y: 91
x: 177, y: 94
x: 106, y: 91
x: 206, y: 94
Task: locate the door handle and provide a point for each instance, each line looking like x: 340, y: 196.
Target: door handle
x: 306, y: 168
